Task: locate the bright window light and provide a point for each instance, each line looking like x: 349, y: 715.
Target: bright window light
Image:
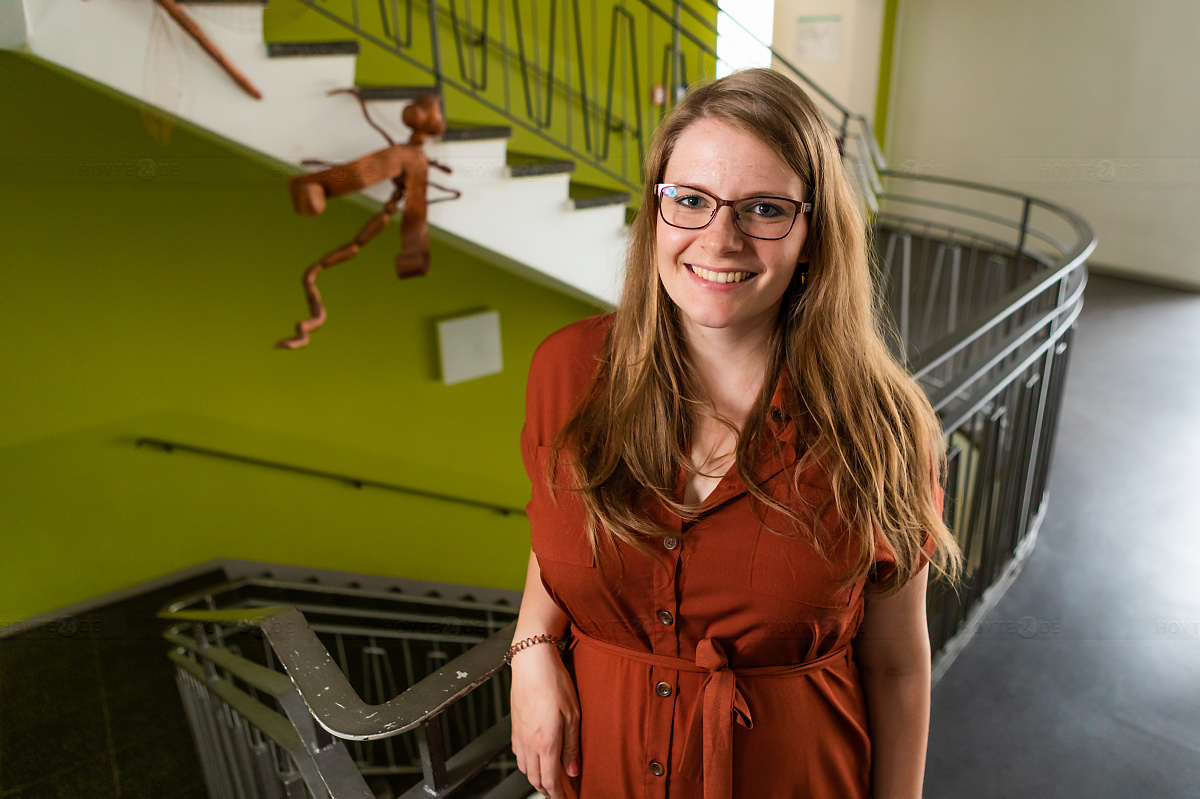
x: 736, y: 47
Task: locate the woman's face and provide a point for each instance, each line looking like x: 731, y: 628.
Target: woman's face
x: 725, y: 162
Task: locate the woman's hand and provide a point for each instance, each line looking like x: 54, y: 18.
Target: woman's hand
x: 545, y: 719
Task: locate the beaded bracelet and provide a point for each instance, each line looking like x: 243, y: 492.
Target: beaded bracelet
x: 544, y: 638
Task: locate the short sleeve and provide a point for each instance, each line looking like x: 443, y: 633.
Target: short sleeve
x: 885, y: 558
x: 559, y: 374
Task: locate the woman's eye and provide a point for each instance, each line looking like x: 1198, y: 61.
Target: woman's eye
x: 766, y: 210
x: 691, y: 201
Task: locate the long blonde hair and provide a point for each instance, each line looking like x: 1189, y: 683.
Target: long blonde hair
x: 857, y: 411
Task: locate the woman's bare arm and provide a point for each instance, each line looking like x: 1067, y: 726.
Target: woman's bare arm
x: 892, y: 653
x: 545, y: 707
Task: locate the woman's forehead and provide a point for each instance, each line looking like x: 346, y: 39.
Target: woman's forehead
x: 717, y: 156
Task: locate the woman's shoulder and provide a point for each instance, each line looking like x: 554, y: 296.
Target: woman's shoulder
x: 574, y: 350
x: 559, y: 376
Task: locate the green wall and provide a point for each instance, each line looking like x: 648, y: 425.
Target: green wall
x: 887, y: 58
x: 143, y: 286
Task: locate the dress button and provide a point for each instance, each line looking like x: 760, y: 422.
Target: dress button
x: 663, y: 689
x: 657, y: 768
x: 666, y: 618
x: 670, y: 542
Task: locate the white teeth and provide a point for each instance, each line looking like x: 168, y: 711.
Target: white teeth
x: 720, y: 277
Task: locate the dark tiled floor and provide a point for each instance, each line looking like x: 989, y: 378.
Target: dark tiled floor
x: 89, y: 707
x: 1105, y: 700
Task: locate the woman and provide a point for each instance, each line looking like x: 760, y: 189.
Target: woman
x: 732, y: 479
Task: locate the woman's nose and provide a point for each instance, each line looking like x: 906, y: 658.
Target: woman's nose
x: 723, y: 231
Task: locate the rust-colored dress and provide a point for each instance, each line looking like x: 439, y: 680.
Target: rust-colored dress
x: 730, y: 674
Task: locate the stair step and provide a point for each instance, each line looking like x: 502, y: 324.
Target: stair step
x: 291, y: 49
x: 523, y: 165
x: 395, y: 92
x: 586, y: 196
x: 470, y: 131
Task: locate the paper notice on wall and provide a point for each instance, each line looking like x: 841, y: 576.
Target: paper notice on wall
x: 818, y: 38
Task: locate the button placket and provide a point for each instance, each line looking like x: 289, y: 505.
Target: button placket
x: 663, y: 682
x: 660, y: 728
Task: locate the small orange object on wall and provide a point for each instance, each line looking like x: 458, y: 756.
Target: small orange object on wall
x: 407, y: 166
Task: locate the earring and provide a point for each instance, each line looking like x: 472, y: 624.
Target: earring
x: 803, y: 267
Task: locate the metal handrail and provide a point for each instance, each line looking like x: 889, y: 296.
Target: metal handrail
x: 1053, y: 241
x: 993, y: 317
x: 996, y: 378
x: 356, y: 482
x: 326, y: 691
x: 985, y: 397
x: 940, y: 398
x: 318, y: 708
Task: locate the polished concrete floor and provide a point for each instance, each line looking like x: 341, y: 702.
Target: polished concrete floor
x: 1103, y: 698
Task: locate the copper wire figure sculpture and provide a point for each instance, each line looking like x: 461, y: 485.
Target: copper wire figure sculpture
x: 407, y: 166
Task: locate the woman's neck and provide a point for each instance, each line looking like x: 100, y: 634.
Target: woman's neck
x: 731, y: 366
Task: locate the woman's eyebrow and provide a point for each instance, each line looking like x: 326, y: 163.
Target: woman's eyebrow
x: 747, y: 195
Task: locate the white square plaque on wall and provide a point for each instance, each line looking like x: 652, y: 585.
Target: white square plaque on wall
x: 469, y: 347
x: 818, y: 38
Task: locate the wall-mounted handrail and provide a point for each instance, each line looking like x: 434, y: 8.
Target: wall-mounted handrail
x: 355, y: 482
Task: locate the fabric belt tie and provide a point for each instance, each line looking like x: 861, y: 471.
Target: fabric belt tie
x: 708, y: 748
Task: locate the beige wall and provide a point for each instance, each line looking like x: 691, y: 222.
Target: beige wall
x: 1094, y: 104
x: 853, y: 75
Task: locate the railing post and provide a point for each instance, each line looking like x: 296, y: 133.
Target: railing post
x: 433, y: 755
x: 905, y: 292
x: 1047, y: 372
x: 436, y: 52
x: 676, y: 52
x: 1024, y: 231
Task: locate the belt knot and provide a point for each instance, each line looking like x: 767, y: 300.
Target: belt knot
x: 708, y: 751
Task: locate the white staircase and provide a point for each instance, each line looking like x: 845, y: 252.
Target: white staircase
x: 526, y: 224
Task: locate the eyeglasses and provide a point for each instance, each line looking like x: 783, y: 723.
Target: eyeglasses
x: 768, y: 218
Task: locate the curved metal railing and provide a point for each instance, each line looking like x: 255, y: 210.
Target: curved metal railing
x: 983, y: 286
x: 302, y: 689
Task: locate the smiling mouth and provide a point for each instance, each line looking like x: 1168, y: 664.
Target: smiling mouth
x: 720, y: 277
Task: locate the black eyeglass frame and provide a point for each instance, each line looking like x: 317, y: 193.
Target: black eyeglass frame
x: 801, y: 207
